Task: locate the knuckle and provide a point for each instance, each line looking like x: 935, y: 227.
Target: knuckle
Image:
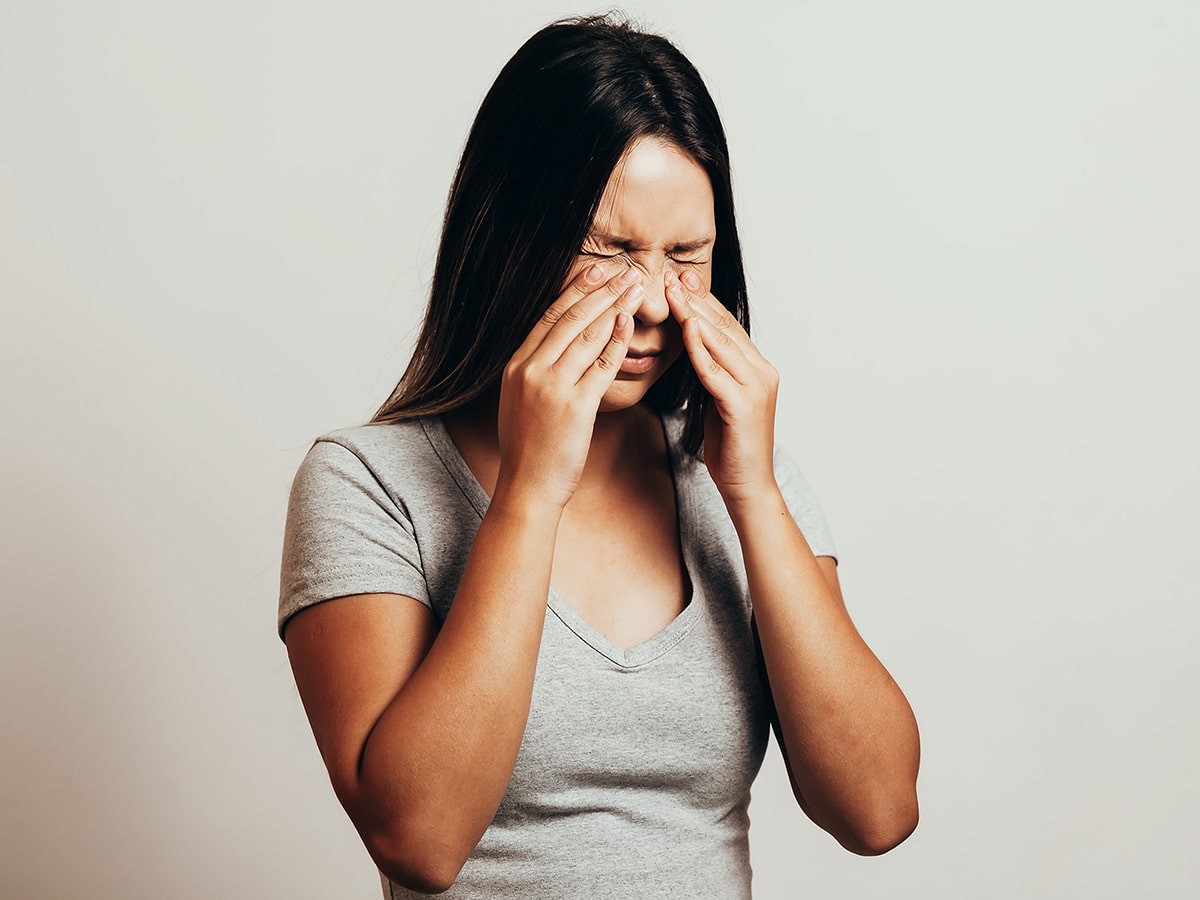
x: 617, y: 287
x: 514, y: 372
x: 551, y: 316
x: 591, y: 334
x: 573, y: 314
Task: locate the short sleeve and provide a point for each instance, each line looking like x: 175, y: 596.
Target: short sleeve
x: 802, y: 504
x: 344, y: 535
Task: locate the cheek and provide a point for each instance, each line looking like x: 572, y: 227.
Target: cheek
x: 577, y: 269
x: 609, y: 265
x: 703, y: 272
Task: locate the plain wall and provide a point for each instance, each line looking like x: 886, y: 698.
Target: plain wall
x: 974, y: 250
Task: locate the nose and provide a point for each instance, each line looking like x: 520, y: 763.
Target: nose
x: 654, y: 309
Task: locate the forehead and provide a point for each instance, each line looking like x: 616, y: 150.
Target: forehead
x: 656, y: 194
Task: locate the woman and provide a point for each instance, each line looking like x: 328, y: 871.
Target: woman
x: 537, y: 674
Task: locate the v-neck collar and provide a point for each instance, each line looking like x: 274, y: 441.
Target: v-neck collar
x: 657, y: 644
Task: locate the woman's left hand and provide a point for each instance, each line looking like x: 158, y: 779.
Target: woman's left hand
x: 739, y: 429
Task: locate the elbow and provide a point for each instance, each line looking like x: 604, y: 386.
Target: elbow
x: 418, y: 840
x: 428, y: 867
x: 425, y: 876
x: 879, y: 841
x: 423, y: 881
x: 878, y: 834
x: 418, y: 849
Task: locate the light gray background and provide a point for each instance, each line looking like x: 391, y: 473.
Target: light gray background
x: 972, y: 231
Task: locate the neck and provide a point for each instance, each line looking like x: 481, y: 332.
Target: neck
x: 619, y: 439
x: 613, y: 438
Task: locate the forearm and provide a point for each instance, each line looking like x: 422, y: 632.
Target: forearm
x: 848, y: 733
x: 438, y: 761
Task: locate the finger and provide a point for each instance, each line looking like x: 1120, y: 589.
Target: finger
x: 709, y: 308
x: 686, y: 304
x: 715, y: 378
x: 582, y: 313
x: 703, y: 303
x: 591, y: 341
x: 584, y: 282
x: 726, y: 351
x: 604, y: 368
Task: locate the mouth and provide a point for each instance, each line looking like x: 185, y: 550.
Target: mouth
x: 639, y: 361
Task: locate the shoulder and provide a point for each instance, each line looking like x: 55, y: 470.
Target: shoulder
x: 388, y: 453
x: 358, y: 501
x: 410, y: 468
x: 360, y: 467
x: 395, y: 471
x: 379, y: 443
x: 800, y: 498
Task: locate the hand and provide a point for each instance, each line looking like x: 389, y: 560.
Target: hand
x: 552, y: 387
x: 739, y: 429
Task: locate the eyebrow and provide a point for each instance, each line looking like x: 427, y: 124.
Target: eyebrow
x: 609, y: 240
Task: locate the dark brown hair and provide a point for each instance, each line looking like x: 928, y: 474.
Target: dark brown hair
x: 546, y: 139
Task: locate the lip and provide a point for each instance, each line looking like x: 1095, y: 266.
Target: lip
x: 638, y: 362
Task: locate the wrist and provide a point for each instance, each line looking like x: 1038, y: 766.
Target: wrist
x: 755, y: 504
x: 527, y: 502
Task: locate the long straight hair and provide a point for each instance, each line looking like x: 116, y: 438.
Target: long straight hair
x: 546, y: 139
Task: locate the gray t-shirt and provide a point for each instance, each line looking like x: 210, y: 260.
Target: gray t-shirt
x: 633, y: 776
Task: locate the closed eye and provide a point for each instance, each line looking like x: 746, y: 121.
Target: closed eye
x: 674, y: 259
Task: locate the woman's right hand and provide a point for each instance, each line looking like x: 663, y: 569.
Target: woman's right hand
x: 552, y: 387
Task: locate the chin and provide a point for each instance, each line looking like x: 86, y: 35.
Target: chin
x: 628, y: 392
x: 623, y: 395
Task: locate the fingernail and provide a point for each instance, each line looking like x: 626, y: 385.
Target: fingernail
x: 691, y: 280
x: 630, y: 275
x: 592, y: 275
x: 635, y: 292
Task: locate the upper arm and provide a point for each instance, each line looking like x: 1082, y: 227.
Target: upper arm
x: 345, y: 534
x: 805, y: 510
x: 350, y: 657
x: 353, y: 603
x: 828, y: 566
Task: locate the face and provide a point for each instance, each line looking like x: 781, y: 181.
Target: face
x: 657, y: 215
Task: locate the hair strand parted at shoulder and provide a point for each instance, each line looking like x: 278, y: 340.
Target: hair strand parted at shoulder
x: 547, y: 137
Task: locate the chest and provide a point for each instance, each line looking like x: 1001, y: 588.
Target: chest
x: 618, y: 560
x: 679, y: 723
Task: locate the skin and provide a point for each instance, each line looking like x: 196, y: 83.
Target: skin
x: 419, y: 727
